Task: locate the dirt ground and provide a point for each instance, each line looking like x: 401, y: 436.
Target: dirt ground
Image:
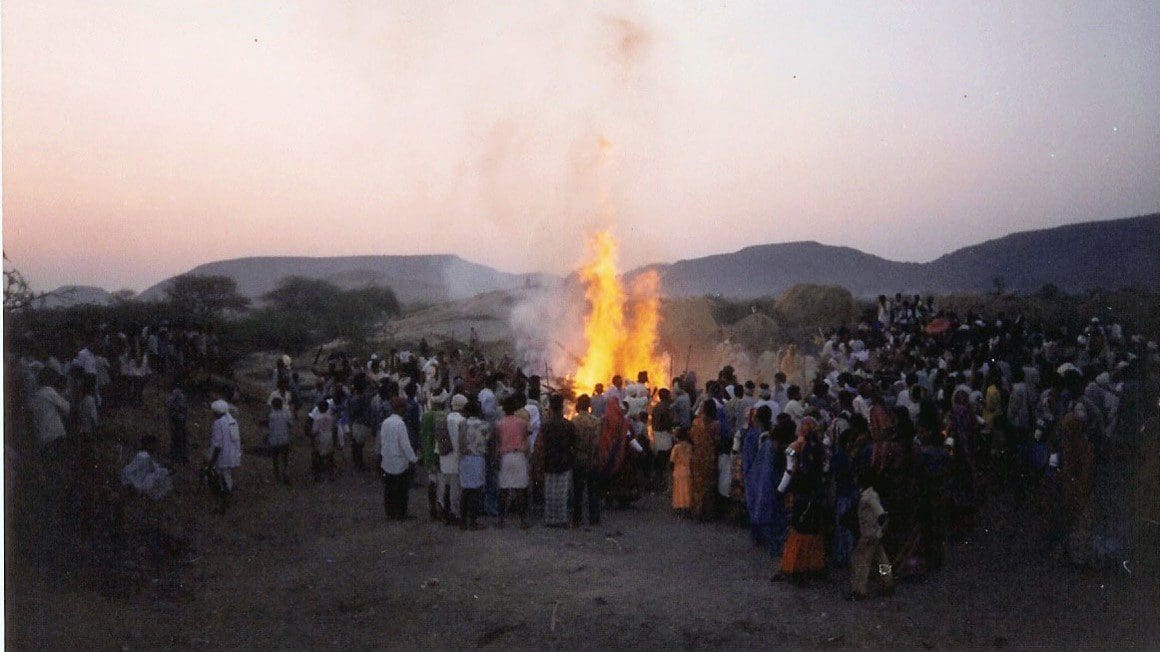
x: 318, y: 566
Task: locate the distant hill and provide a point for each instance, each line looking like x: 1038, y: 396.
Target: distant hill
x: 767, y: 270
x: 67, y: 296
x: 426, y: 278
x: 1109, y: 254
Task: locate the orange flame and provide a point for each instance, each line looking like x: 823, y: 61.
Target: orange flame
x: 618, y: 344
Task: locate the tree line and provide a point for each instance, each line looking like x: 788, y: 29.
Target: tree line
x: 299, y: 313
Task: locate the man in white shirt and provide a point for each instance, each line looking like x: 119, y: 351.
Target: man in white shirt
x: 449, y: 463
x: 397, y: 456
x: 767, y: 400
x: 616, y: 392
x: 599, y: 400
x: 779, y: 390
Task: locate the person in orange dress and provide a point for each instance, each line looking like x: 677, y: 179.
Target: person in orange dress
x: 804, y: 551
x: 681, y: 457
x: 705, y: 434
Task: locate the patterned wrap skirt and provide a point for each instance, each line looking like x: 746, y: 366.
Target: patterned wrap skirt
x: 557, y: 487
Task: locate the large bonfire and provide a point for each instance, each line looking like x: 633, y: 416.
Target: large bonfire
x: 620, y: 328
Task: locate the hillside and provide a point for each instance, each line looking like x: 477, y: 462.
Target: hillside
x: 427, y: 278
x: 1077, y: 257
x: 768, y: 270
x: 67, y: 296
x: 1110, y: 254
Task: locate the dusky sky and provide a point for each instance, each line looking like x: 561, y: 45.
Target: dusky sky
x: 141, y: 138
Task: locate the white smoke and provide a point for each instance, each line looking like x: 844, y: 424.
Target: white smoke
x: 548, y: 329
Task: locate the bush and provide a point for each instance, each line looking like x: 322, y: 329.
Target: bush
x: 303, y: 312
x: 270, y: 329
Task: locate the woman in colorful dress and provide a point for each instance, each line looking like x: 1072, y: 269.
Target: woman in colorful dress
x: 805, y: 547
x: 682, y: 459
x: 705, y: 434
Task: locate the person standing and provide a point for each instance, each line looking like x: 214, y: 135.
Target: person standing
x: 662, y: 427
x: 225, y: 451
x: 869, y: 556
x: 765, y: 505
x: 278, y: 439
x: 432, y: 420
x: 1076, y: 466
x: 489, y: 409
x: 177, y: 408
x: 682, y: 406
x: 804, y: 551
x: 448, y: 449
x: 585, y: 463
x: 533, y: 412
x: 474, y: 433
x: 559, y: 439
x: 362, y: 419
x: 1019, y: 422
x: 599, y: 400
x: 87, y: 418
x: 412, y: 413
x: 704, y: 435
x: 396, y: 457
x: 682, y: 458
x: 50, y: 410
x: 512, y: 449
x: 323, y: 436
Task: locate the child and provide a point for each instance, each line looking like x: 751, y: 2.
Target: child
x: 682, y: 457
x: 869, y: 557
x: 323, y: 436
x: 278, y: 439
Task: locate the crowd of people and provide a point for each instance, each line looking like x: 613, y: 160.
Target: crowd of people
x: 65, y: 390
x: 913, y: 419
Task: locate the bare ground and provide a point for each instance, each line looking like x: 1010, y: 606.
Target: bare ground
x: 318, y: 566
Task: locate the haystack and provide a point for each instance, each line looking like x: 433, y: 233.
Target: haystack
x: 815, y: 306
x: 757, y: 332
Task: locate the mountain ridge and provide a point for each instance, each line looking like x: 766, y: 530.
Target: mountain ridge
x: 1108, y: 254
x: 430, y: 277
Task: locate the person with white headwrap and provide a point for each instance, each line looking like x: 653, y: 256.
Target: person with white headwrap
x: 225, y: 452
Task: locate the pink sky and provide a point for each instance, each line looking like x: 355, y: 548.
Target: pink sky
x: 143, y: 138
